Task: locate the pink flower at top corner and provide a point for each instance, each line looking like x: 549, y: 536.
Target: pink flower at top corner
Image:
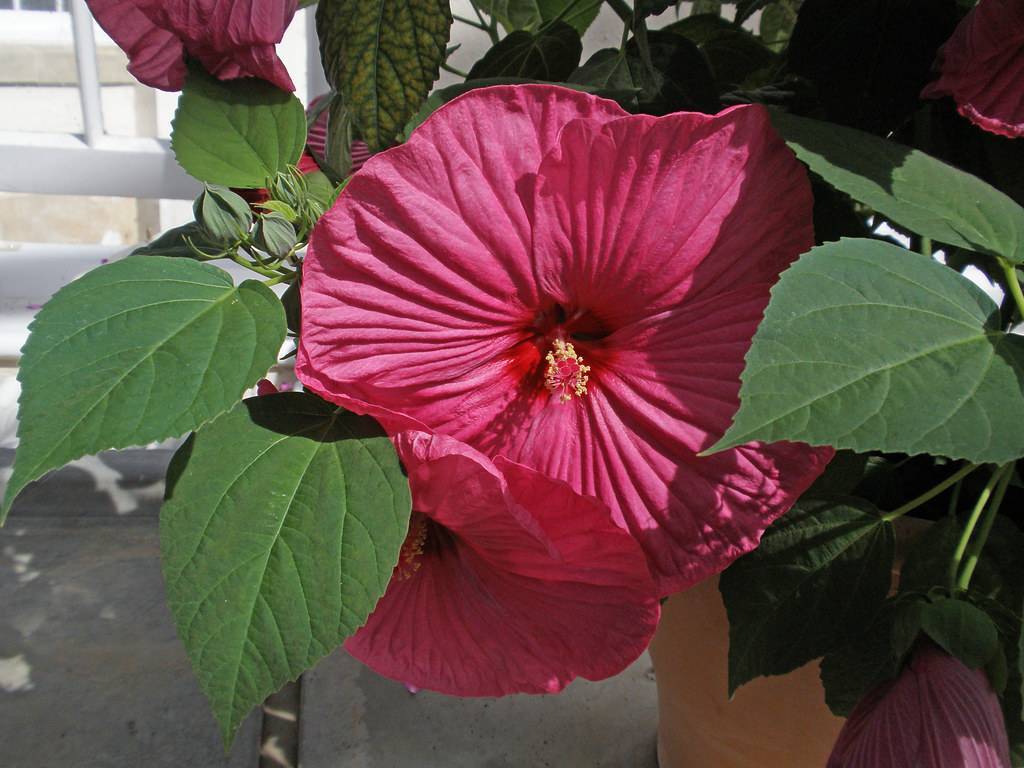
x: 551, y: 280
x: 508, y: 581
x: 982, y: 67
x: 230, y: 38
x: 936, y: 714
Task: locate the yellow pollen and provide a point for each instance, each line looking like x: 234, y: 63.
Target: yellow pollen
x: 412, y: 548
x: 566, y: 374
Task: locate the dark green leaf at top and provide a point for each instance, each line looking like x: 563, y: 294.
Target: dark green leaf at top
x: 645, y: 8
x: 941, y: 379
x: 613, y: 70
x: 512, y: 14
x: 382, y: 56
x: 733, y: 53
x: 863, y: 662
x: 682, y: 79
x: 819, y: 577
x: 550, y: 54
x: 909, y: 187
x: 869, y: 58
x: 580, y: 14
x: 237, y: 133
x: 277, y: 542
x: 777, y: 22
x: 962, y: 630
x: 747, y: 8
x: 139, y: 350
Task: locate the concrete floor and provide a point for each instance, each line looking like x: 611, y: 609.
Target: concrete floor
x: 92, y: 674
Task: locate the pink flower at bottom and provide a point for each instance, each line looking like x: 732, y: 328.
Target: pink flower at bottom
x: 316, y: 140
x: 508, y: 581
x: 547, y: 278
x: 937, y: 714
x: 230, y: 38
x: 982, y: 67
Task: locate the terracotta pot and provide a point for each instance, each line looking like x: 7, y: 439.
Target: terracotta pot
x: 773, y: 722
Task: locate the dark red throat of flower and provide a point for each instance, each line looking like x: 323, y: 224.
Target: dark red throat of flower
x: 425, y: 537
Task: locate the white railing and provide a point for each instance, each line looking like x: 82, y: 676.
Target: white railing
x: 96, y: 163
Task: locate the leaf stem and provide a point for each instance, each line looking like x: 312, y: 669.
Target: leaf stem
x: 1004, y: 473
x: 254, y: 267
x: 454, y: 70
x: 287, y: 277
x: 972, y: 521
x: 1010, y: 271
x: 622, y: 9
x: 930, y: 494
x: 475, y: 24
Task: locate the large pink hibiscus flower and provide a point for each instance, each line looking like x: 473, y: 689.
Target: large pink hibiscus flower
x: 231, y: 38
x: 549, y: 279
x: 982, y: 67
x: 937, y: 714
x: 508, y: 581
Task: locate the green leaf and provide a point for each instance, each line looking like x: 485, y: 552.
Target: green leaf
x: 225, y: 216
x: 612, y: 70
x: 851, y: 670
x: 237, y: 133
x: 382, y: 56
x: 139, y: 350
x: 550, y: 54
x: 275, y: 235
x: 580, y: 14
x: 942, y: 378
x: 174, y: 243
x: 819, y: 577
x: 868, y: 60
x: 777, y: 22
x: 277, y: 542
x: 928, y: 561
x: 909, y: 187
x: 747, y: 8
x: 962, y: 630
x: 512, y: 14
x: 734, y: 53
x: 645, y: 8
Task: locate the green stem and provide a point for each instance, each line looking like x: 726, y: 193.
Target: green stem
x: 621, y: 8
x: 492, y: 30
x: 626, y: 27
x: 475, y: 24
x: 930, y: 494
x: 285, y: 278
x: 1005, y: 472
x: 455, y: 71
x: 926, y: 246
x: 254, y: 267
x: 972, y: 521
x: 1010, y: 271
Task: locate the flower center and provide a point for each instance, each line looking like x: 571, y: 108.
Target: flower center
x: 412, y: 548
x: 566, y: 374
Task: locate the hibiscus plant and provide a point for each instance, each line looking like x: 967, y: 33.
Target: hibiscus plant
x: 737, y: 296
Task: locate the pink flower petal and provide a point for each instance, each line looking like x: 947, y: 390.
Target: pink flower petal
x: 435, y: 276
x: 982, y: 67
x: 156, y: 57
x: 635, y: 215
x: 670, y: 389
x: 231, y: 38
x: 653, y: 244
x: 526, y: 586
x: 937, y: 714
